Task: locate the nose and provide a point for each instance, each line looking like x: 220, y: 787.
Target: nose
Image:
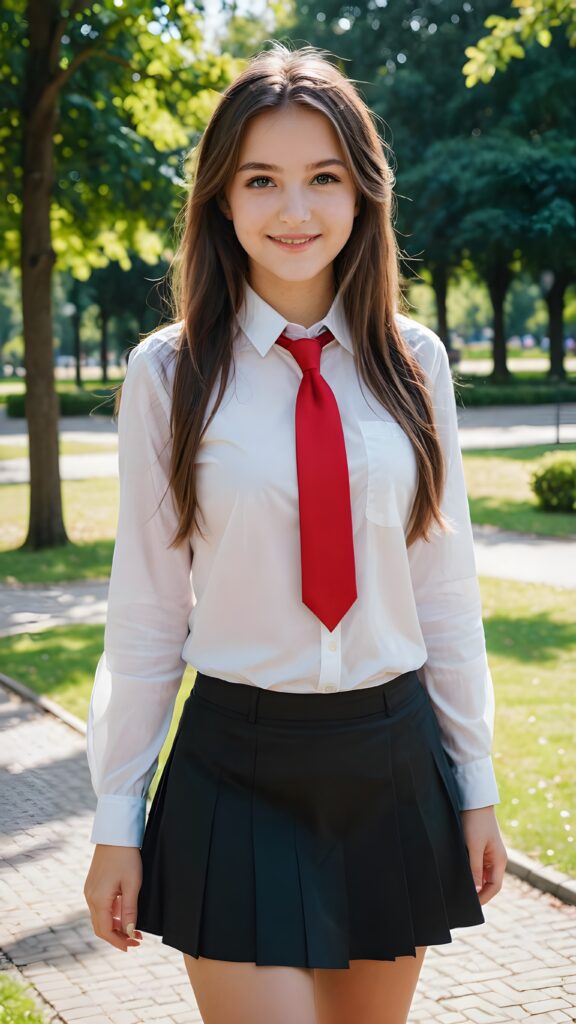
x: 295, y: 208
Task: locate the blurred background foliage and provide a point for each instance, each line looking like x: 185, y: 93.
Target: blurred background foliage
x: 486, y: 170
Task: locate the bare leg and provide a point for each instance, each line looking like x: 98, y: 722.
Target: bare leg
x: 370, y: 991
x: 228, y: 992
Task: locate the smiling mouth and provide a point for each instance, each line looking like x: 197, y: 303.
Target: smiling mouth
x: 293, y: 243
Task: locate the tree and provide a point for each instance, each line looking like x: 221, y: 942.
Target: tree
x: 549, y: 181
x: 133, y: 293
x: 438, y: 201
x: 460, y: 154
x: 102, y: 99
x: 534, y: 23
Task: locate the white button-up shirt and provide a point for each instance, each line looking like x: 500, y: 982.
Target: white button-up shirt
x: 237, y: 613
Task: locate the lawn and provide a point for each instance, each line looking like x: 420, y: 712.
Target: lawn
x: 531, y: 639
x: 90, y: 509
x: 20, y: 451
x: 499, y: 493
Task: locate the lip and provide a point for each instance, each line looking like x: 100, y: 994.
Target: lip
x: 305, y: 240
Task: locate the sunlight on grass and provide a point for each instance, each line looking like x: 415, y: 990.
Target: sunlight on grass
x: 499, y: 492
x: 90, y: 510
x: 20, y: 451
x: 531, y: 640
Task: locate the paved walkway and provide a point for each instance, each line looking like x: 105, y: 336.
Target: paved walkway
x: 518, y: 966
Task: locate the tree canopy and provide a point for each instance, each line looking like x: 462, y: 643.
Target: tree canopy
x: 134, y: 85
x: 535, y: 21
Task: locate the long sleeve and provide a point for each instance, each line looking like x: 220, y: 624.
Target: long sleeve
x: 149, y: 601
x: 456, y: 673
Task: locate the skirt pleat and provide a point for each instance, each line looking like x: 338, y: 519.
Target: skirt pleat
x: 303, y: 840
x: 175, y: 860
x: 277, y: 882
x: 378, y: 893
x: 324, y: 898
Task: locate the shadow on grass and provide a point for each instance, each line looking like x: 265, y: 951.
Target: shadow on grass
x: 91, y: 560
x: 528, y: 639
x: 523, y: 517
x: 59, y: 662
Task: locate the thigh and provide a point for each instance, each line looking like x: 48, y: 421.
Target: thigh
x: 371, y: 991
x: 228, y: 992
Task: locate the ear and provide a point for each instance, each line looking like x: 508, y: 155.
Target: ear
x: 224, y: 205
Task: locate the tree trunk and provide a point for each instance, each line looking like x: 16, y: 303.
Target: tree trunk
x: 498, y: 283
x: 46, y: 525
x: 76, y: 331
x: 440, y: 286
x: 555, y: 302
x: 104, y: 320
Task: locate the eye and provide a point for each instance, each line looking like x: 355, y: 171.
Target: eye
x: 322, y: 174
x: 252, y: 180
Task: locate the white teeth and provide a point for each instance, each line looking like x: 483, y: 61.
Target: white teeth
x: 292, y: 241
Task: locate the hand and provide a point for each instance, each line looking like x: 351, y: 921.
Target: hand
x: 111, y: 892
x: 486, y: 851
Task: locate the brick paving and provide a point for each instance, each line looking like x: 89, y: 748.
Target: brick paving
x: 519, y: 966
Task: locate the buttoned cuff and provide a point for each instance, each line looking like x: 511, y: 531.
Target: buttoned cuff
x: 476, y: 783
x: 119, y: 820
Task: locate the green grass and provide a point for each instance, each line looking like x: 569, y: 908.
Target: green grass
x: 498, y: 485
x: 17, y: 386
x: 20, y: 451
x: 90, y: 510
x: 63, y: 385
x: 485, y: 352
x: 531, y: 638
x: 531, y: 641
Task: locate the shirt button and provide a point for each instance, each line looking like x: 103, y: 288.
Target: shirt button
x: 332, y: 645
x: 329, y: 688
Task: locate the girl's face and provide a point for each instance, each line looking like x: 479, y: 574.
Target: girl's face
x: 282, y: 195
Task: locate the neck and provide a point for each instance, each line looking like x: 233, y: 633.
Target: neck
x: 301, y: 302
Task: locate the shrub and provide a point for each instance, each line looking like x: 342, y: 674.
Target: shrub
x: 474, y: 391
x: 16, y: 1006
x: 554, y: 482
x: 71, y: 403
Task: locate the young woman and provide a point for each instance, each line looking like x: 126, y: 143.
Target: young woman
x: 326, y: 811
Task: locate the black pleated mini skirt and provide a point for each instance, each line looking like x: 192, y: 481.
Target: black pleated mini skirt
x: 306, y: 830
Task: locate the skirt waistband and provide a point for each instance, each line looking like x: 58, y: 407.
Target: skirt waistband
x: 255, y: 702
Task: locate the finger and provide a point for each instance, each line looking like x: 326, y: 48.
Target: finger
x: 477, y: 870
x: 493, y: 879
x: 104, y: 928
x: 112, y: 937
x: 128, y: 905
x: 131, y: 937
x: 488, y: 891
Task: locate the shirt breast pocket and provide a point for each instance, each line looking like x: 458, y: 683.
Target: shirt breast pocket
x: 391, y: 472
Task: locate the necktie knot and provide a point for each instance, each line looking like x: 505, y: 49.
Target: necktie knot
x: 306, y: 351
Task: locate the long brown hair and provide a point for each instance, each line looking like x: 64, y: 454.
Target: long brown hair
x: 210, y: 267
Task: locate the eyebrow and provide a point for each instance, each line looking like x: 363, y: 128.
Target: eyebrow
x: 252, y: 166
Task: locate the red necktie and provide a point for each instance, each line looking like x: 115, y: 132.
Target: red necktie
x: 326, y: 537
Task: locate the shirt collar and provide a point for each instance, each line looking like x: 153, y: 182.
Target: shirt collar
x: 262, y: 324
